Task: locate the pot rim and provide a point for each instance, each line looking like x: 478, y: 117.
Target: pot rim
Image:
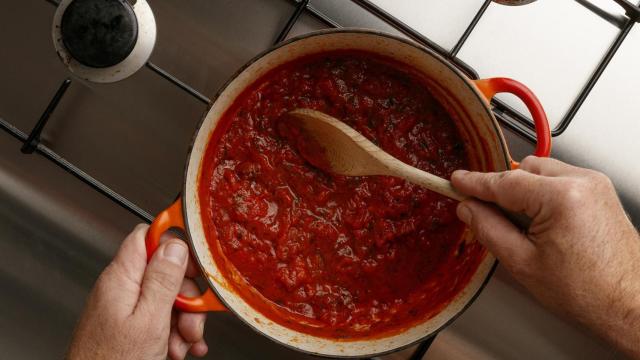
x: 481, y: 98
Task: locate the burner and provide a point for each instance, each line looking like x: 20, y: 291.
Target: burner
x: 104, y: 40
x: 99, y: 33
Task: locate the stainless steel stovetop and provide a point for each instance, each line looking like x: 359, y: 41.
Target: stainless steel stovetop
x: 57, y: 233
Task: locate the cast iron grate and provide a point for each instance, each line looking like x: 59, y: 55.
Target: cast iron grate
x: 509, y: 117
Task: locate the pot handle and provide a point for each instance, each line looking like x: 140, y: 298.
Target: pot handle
x: 490, y: 87
x: 169, y: 218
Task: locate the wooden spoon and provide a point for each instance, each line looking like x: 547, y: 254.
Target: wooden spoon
x: 347, y: 152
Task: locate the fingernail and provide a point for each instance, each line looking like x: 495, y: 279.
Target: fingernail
x: 459, y: 173
x: 464, y: 213
x: 176, y: 252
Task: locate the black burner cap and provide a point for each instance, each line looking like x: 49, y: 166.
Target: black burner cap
x: 99, y: 33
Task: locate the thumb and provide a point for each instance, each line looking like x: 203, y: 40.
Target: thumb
x: 163, y: 278
x: 503, y: 239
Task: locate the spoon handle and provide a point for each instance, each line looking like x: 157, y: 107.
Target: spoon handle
x: 423, y: 178
x: 444, y: 187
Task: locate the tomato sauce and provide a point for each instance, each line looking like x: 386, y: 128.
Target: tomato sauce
x: 334, y: 256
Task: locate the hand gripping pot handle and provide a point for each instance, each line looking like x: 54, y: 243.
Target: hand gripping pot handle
x: 490, y: 87
x: 172, y: 218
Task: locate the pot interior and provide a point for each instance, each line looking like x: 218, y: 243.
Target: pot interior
x: 479, y: 130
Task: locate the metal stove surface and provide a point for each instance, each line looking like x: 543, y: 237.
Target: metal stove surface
x: 56, y: 234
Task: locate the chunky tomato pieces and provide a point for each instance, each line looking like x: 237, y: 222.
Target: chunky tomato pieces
x: 358, y: 256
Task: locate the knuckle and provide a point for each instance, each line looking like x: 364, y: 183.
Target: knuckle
x: 513, y: 182
x: 571, y: 192
x: 573, y: 195
x: 495, y: 182
x: 163, y: 281
x: 516, y: 174
x: 510, y: 178
x: 529, y: 161
x: 601, y: 179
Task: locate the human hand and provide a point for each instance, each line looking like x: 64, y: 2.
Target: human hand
x: 129, y: 313
x: 581, y: 254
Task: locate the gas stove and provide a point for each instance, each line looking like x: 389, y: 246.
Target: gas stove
x: 104, y: 135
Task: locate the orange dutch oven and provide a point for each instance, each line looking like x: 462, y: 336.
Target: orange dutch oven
x: 468, y: 102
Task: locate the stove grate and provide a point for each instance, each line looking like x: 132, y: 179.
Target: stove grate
x: 508, y: 116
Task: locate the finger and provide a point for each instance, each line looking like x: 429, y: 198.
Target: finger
x: 517, y: 190
x: 163, y: 279
x: 503, y: 239
x: 174, y: 317
x: 549, y: 167
x: 119, y: 283
x: 199, y: 349
x: 192, y: 268
x: 191, y: 325
x: 131, y: 258
x: 178, y: 348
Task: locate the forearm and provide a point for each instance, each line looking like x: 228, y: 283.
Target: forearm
x: 619, y: 317
x: 624, y: 333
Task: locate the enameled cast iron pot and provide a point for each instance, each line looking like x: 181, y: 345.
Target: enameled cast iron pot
x: 466, y: 100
